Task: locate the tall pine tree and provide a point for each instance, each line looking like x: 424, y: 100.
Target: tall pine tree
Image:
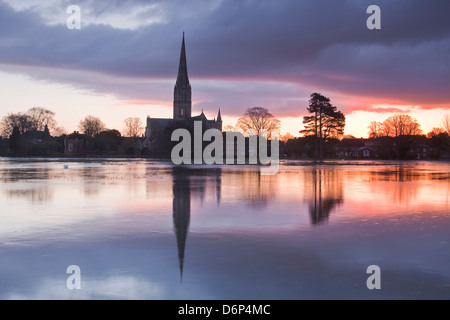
x: 324, y: 122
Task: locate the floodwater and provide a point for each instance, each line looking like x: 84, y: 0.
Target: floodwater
x: 149, y: 230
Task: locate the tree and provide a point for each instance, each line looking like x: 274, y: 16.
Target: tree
x: 133, y: 127
x: 401, y: 125
x: 395, y: 126
x: 229, y: 128
x: 333, y: 125
x: 440, y: 140
x: 22, y: 121
x: 435, y: 132
x: 41, y: 118
x: 59, y: 131
x: 324, y: 123
x: 107, y: 141
x: 375, y: 129
x: 287, y: 137
x: 91, y: 126
x: 258, y: 121
x: 385, y: 129
x: 36, y: 118
x: 446, y: 123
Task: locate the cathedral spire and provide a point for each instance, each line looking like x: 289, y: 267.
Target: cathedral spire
x: 182, y: 93
x: 219, y: 121
x: 182, y: 68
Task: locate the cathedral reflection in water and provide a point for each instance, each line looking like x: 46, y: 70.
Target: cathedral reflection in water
x: 323, y: 193
x: 187, y: 182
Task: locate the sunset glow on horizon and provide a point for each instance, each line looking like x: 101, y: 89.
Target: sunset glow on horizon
x: 72, y: 105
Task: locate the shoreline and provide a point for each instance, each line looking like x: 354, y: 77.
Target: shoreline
x: 284, y: 161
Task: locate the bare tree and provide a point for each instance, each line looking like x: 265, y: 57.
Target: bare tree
x: 258, y: 121
x: 401, y: 125
x: 133, y: 127
x: 435, y: 132
x: 36, y: 118
x: 42, y: 117
x: 446, y: 123
x: 19, y: 120
x: 286, y: 137
x: 385, y: 129
x: 229, y: 128
x: 59, y: 131
x: 91, y: 126
x: 375, y: 129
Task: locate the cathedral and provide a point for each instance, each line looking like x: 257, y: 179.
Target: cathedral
x: 157, y: 128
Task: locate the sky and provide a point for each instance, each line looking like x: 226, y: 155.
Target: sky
x: 123, y: 61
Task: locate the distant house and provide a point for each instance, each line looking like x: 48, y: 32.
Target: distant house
x: 34, y: 137
x: 75, y: 145
x: 366, y: 153
x: 420, y: 148
x: 381, y: 147
x: 140, y: 143
x: 36, y: 143
x: 351, y: 148
x: 422, y: 151
x: 403, y: 147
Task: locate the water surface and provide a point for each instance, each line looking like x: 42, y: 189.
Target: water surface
x: 141, y: 229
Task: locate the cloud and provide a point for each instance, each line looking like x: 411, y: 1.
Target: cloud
x: 386, y: 110
x: 389, y: 108
x: 239, y: 53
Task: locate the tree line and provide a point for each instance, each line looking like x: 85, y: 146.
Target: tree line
x: 323, y: 129
x: 36, y: 133
x: 38, y: 118
x: 324, y: 124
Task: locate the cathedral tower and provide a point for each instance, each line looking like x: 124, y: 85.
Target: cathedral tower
x: 182, y: 92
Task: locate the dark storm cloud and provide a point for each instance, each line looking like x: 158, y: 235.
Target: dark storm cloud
x: 320, y: 45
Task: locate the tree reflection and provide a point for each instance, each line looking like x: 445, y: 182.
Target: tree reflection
x: 247, y: 186
x: 33, y: 194
x: 398, y: 174
x: 25, y: 174
x: 324, y: 191
x: 401, y: 184
x: 28, y: 180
